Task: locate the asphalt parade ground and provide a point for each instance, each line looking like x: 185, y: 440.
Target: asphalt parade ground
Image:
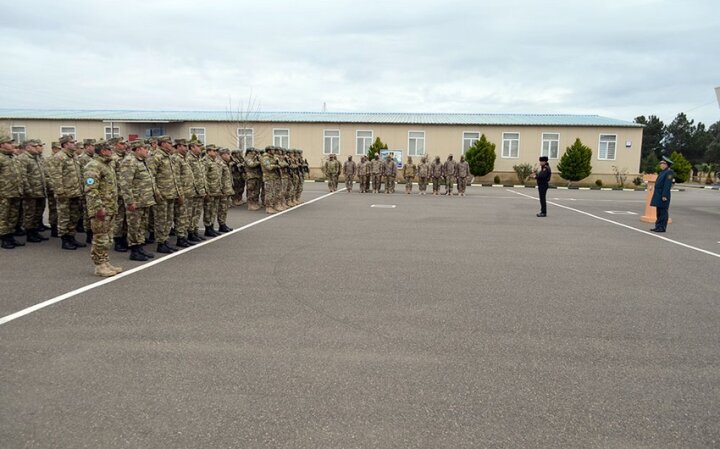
x: 379, y: 321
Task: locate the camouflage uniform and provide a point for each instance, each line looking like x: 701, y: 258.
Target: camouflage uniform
x: 168, y: 189
x: 390, y: 171
x: 363, y: 172
x: 376, y: 170
x: 52, y: 202
x: 11, y: 192
x: 137, y: 188
x: 226, y: 181
x: 35, y: 191
x: 304, y: 169
x: 253, y: 172
x: 237, y: 168
x: 213, y: 179
x: 282, y: 195
x: 195, y: 198
x: 408, y: 172
x: 271, y: 179
x: 67, y: 181
x: 463, y: 171
x: 85, y: 158
x: 186, y: 183
x: 332, y: 171
x: 295, y: 175
x: 449, y: 171
x: 101, y: 194
x: 436, y: 172
x: 423, y: 173
x: 349, y: 170
x: 121, y: 229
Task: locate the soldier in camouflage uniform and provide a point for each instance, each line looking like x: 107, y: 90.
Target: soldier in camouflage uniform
x: 304, y: 170
x: 67, y: 181
x: 362, y: 171
x: 35, y: 189
x: 152, y: 146
x: 271, y: 178
x: 423, y: 173
x: 237, y: 169
x: 137, y: 188
x: 463, y: 171
x: 390, y: 171
x: 11, y: 192
x: 167, y: 183
x: 253, y: 171
x: 213, y: 186
x: 52, y: 202
x: 195, y: 197
x: 450, y: 173
x: 101, y: 197
x: 376, y: 171
x: 436, y: 172
x: 408, y: 172
x: 226, y: 180
x: 187, y: 187
x: 293, y: 178
x: 281, y: 186
x: 349, y: 170
x: 332, y: 171
x: 119, y: 147
x: 85, y: 157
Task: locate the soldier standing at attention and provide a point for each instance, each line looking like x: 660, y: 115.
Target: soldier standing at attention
x: 67, y: 180
x: 463, y: 171
x: 11, y: 192
x: 52, y: 202
x: 35, y: 190
x: 137, y: 188
x: 187, y: 187
x: 390, y: 171
x: 282, y: 198
x: 88, y: 152
x: 408, y: 172
x: 101, y: 197
x: 349, y: 169
x: 195, y: 197
x: 271, y: 176
x: 332, y: 170
x: 237, y: 168
x: 168, y: 190
x: 543, y: 180
x: 376, y: 173
x: 661, y: 195
x: 253, y: 171
x: 436, y: 173
x: 213, y: 188
x: 303, y: 169
x: 226, y: 180
x: 294, y: 177
x: 450, y: 173
x: 119, y: 149
x: 362, y: 171
x: 423, y: 173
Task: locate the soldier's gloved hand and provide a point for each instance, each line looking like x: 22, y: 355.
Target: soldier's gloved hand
x: 132, y: 207
x: 100, y: 214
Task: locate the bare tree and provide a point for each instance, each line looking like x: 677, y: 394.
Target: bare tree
x: 241, y: 118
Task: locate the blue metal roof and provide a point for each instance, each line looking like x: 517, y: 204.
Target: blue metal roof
x: 318, y: 117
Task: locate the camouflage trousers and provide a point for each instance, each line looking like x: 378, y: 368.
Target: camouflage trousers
x: 34, y: 208
x: 423, y: 183
x: 332, y: 181
x: 408, y: 184
x: 9, y: 214
x: 52, y: 208
x: 376, y: 182
x: 253, y: 190
x: 137, y: 223
x: 210, y: 210
x: 262, y: 191
x: 222, y: 211
x: 448, y: 185
x: 238, y: 188
x: 288, y: 193
x: 181, y: 220
x: 389, y: 184
x: 300, y: 187
x: 295, y: 185
x: 120, y: 220
x: 102, y: 239
x: 164, y: 211
x: 282, y: 195
x: 349, y: 182
x: 272, y: 192
x: 86, y: 217
x: 364, y: 182
x: 436, y: 184
x: 461, y: 184
x: 69, y: 211
x: 194, y: 206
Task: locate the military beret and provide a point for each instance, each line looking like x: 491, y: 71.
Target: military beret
x: 89, y: 142
x: 6, y: 139
x: 667, y: 160
x: 66, y: 139
x: 543, y: 159
x: 164, y: 139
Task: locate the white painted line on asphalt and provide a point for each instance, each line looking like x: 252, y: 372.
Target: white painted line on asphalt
x: 652, y: 234
x: 68, y: 295
x: 384, y: 206
x: 620, y: 212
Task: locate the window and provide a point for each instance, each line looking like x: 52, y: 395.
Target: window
x: 245, y: 138
x: 199, y: 133
x: 550, y: 145
x: 154, y: 132
x: 511, y: 145
x: 19, y: 133
x: 469, y: 140
x: 115, y: 133
x: 68, y: 131
x: 281, y: 138
x: 332, y: 141
x: 363, y: 141
x: 606, y: 150
x: 416, y: 143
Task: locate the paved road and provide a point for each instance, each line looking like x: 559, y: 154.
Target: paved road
x: 441, y: 322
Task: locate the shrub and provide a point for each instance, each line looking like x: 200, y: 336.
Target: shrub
x: 375, y: 148
x: 681, y: 167
x: 481, y: 157
x: 523, y: 172
x: 496, y: 179
x: 575, y: 163
x: 620, y: 175
x: 637, y: 181
x: 598, y: 182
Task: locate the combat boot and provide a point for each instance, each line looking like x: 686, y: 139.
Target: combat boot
x: 7, y: 243
x: 119, y: 246
x: 163, y: 248
x: 151, y: 237
x: 253, y: 206
x: 192, y: 237
x: 67, y: 243
x: 135, y: 254
x: 19, y: 232
x: 33, y: 237
x: 183, y: 243
x: 270, y: 210
x: 88, y: 236
x: 224, y: 228
x: 142, y: 251
x: 103, y: 270
x: 54, y: 231
x: 15, y: 242
x: 38, y: 231
x: 76, y: 243
x: 211, y: 232
x: 114, y: 268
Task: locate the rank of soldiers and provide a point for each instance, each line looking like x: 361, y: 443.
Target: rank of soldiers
x: 129, y: 194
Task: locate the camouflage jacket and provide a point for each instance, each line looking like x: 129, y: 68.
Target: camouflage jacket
x: 226, y: 178
x: 284, y: 166
x: 101, y: 186
x: 436, y: 170
x: 11, y: 178
x: 376, y: 167
x: 197, y: 166
x: 423, y: 170
x: 270, y: 167
x: 349, y: 168
x: 363, y: 168
x: 253, y: 170
x: 237, y: 168
x: 66, y: 175
x: 463, y: 169
x: 409, y: 171
x: 136, y: 183
x: 167, y: 180
x: 85, y: 159
x: 449, y: 168
x: 390, y: 169
x: 35, y: 184
x: 213, y: 176
x: 185, y: 175
x: 332, y: 167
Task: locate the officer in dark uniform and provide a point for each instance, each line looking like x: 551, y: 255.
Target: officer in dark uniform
x: 543, y: 181
x: 661, y: 195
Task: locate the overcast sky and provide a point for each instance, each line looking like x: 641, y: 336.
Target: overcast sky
x: 617, y: 58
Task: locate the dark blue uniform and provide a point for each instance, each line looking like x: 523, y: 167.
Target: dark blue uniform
x: 662, y: 190
x: 543, y: 181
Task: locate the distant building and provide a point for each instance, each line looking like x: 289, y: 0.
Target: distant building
x: 520, y: 138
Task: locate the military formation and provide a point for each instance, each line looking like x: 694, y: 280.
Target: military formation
x: 126, y: 195
x: 372, y: 174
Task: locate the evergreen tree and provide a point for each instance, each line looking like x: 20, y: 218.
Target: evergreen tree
x: 678, y: 135
x: 375, y: 148
x: 681, y: 166
x: 481, y: 156
x: 575, y: 163
x: 653, y: 134
x: 712, y: 152
x: 649, y: 163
